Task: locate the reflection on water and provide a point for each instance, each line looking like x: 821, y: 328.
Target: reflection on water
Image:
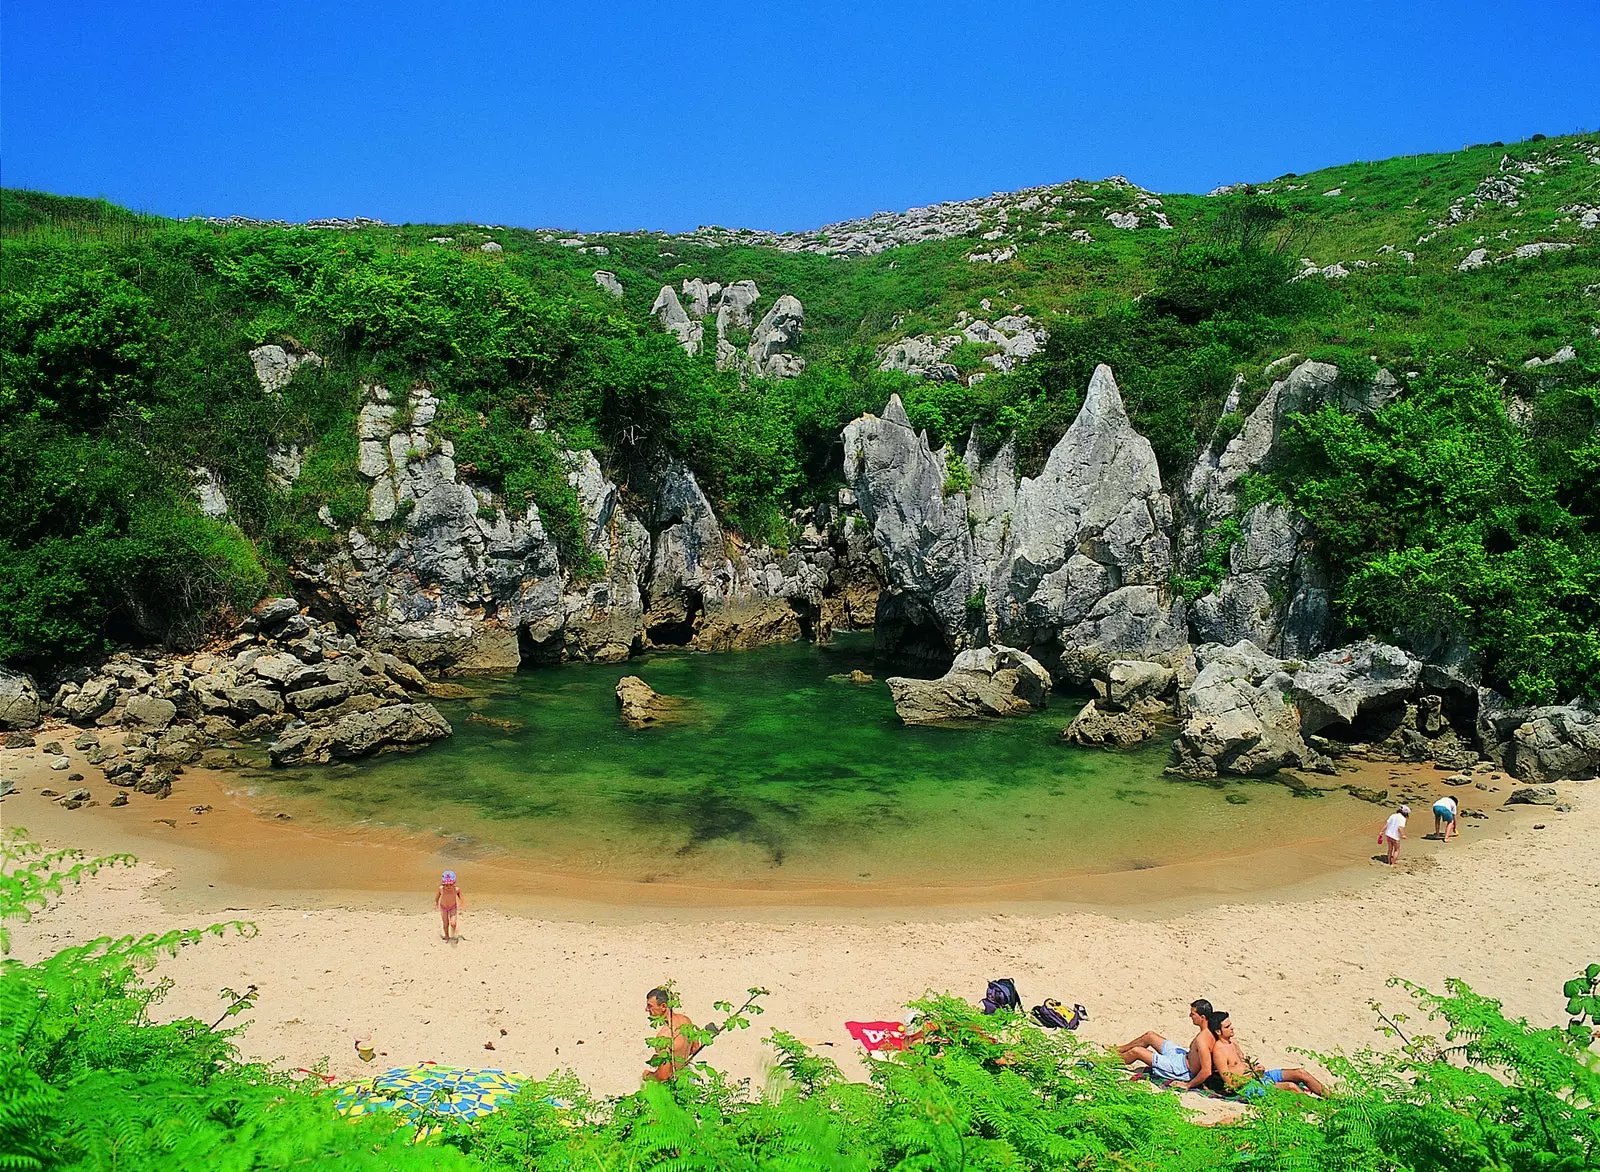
x: 779, y: 774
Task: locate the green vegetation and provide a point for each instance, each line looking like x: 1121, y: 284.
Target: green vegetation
x: 123, y: 343
x: 89, y: 1080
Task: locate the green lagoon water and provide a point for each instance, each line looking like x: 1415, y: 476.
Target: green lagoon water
x: 779, y: 775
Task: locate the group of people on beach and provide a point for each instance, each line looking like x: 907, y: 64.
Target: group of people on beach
x: 1446, y: 825
x: 1214, y: 1061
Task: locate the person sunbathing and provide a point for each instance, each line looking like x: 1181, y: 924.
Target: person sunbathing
x: 679, y: 1048
x: 1235, y: 1074
x: 1170, y: 1061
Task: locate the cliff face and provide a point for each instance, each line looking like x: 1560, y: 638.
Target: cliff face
x: 445, y: 576
x: 1071, y: 566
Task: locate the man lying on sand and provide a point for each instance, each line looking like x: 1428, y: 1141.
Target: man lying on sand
x: 680, y: 1048
x: 1237, y: 1075
x: 1170, y: 1061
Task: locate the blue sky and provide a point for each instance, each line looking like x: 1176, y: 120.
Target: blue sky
x: 611, y: 115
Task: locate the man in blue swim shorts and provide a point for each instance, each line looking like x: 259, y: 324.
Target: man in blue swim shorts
x: 1237, y: 1075
x: 1170, y: 1061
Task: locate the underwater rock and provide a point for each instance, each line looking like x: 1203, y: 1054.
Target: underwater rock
x: 642, y: 706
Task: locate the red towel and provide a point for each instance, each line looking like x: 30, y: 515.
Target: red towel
x: 878, y: 1035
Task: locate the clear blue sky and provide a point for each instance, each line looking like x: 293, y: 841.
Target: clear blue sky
x: 612, y: 115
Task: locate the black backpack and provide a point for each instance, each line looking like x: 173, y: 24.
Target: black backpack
x: 1002, y: 994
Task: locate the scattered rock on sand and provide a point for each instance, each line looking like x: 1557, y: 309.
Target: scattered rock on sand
x: 360, y: 734
x: 120, y: 800
x: 983, y: 681
x: 642, y: 706
x: 1533, y: 795
x: 61, y: 763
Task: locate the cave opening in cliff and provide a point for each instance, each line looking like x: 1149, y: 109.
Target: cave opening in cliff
x: 678, y: 631
x: 538, y: 651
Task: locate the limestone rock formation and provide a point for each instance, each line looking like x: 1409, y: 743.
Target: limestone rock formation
x: 642, y: 706
x: 1279, y: 599
x: 1276, y: 592
x: 608, y: 281
x: 983, y: 681
x: 1072, y: 565
x: 668, y: 310
x: 769, y: 354
x: 1240, y: 717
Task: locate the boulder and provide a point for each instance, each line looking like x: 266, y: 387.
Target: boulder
x: 1240, y: 718
x: 1129, y: 681
x: 151, y: 712
x: 1554, y: 743
x: 1109, y: 729
x: 1534, y: 795
x: 642, y: 706
x: 608, y: 281
x: 360, y: 734
x: 983, y: 681
x: 274, y: 612
x: 668, y: 310
x: 19, y: 700
x: 1336, y: 686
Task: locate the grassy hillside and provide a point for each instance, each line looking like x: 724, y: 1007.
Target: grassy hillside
x: 124, y: 338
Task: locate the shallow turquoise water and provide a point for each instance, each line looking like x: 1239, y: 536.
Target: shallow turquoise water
x: 779, y: 774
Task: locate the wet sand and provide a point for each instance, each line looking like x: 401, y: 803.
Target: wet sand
x: 1294, y: 951
x: 261, y: 850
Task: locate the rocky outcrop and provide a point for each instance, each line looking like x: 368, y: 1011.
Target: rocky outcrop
x: 19, y: 700
x: 1558, y: 742
x: 276, y: 365
x: 641, y: 706
x: 1338, y: 687
x: 1013, y: 337
x: 1276, y: 592
x: 770, y: 354
x: 360, y: 734
x: 1240, y: 719
x: 708, y: 593
x: 983, y: 681
x: 608, y: 281
x: 1072, y: 565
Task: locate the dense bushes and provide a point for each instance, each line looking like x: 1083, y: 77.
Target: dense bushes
x: 1442, y: 518
x: 90, y: 1080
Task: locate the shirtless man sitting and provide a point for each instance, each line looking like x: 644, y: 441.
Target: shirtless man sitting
x: 1171, y: 1061
x: 1237, y: 1075
x: 675, y: 1055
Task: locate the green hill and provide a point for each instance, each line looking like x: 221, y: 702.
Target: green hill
x: 1470, y: 505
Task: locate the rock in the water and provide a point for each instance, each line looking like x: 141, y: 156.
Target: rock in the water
x: 1113, y: 729
x: 642, y: 706
x: 1556, y: 742
x: 854, y: 676
x: 1534, y: 795
x: 1338, y: 685
x: 1130, y: 681
x: 19, y: 700
x: 1240, y: 720
x: 360, y: 734
x: 983, y: 681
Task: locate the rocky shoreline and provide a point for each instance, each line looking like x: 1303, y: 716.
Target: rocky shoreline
x: 1066, y: 577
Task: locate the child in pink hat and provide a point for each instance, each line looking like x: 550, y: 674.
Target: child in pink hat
x: 449, y: 901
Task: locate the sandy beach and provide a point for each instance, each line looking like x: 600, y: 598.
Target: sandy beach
x: 553, y: 980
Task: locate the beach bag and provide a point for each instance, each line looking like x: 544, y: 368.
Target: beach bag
x: 1002, y: 994
x: 1051, y: 1015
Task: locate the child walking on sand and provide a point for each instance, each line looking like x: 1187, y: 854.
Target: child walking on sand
x: 1393, y: 831
x: 449, y: 901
